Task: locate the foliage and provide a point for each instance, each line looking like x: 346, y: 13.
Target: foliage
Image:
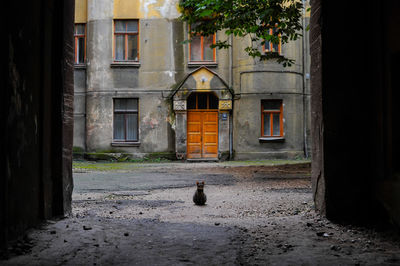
x: 253, y: 18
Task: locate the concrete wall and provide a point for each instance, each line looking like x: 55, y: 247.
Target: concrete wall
x: 254, y: 81
x: 80, y: 108
x: 149, y: 81
x: 247, y: 128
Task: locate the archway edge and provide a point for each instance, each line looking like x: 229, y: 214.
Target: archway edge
x: 202, y: 80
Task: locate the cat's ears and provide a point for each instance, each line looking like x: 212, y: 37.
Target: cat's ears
x: 197, y: 182
x: 202, y: 182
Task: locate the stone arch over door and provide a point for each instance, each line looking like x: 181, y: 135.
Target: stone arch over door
x: 202, y: 80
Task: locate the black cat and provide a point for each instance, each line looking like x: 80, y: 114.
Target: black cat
x: 199, y: 198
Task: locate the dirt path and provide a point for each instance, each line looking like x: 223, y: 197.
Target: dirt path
x: 255, y: 215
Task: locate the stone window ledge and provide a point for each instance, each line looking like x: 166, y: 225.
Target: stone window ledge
x: 199, y: 64
x: 79, y: 66
x: 271, y: 139
x: 125, y: 64
x: 125, y: 144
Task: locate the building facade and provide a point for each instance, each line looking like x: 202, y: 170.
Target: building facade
x: 140, y: 90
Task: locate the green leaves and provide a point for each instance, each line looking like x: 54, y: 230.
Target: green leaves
x: 244, y: 17
x: 206, y: 13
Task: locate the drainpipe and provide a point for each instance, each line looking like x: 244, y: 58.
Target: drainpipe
x: 304, y: 82
x: 230, y: 86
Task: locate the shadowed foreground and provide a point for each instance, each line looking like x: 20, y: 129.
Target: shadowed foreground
x: 255, y: 215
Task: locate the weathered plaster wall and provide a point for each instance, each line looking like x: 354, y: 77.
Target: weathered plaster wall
x: 253, y: 81
x: 307, y: 85
x: 153, y: 123
x: 163, y: 63
x: 79, y: 108
x: 247, y: 128
x: 144, y: 9
x: 223, y: 134
x: 180, y: 134
x: 149, y: 81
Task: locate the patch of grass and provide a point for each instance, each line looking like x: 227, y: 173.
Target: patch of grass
x: 115, y: 165
x: 102, y: 166
x: 110, y: 151
x: 77, y: 149
x: 138, y: 163
x: 266, y: 162
x: 149, y: 160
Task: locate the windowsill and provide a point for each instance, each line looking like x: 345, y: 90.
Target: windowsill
x: 271, y: 139
x: 266, y: 52
x: 125, y: 144
x: 271, y: 59
x: 125, y: 64
x: 199, y: 64
x: 80, y: 66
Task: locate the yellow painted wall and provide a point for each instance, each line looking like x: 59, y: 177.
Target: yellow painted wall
x: 128, y: 9
x: 80, y: 11
x: 203, y: 78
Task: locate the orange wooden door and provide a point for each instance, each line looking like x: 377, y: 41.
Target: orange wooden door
x: 210, y: 135
x: 194, y: 134
x: 202, y: 134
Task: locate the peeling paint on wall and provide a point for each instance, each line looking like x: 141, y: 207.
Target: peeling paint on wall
x: 143, y: 9
x: 159, y: 9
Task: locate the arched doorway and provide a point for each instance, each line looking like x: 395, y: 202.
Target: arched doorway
x: 202, y: 125
x: 202, y: 103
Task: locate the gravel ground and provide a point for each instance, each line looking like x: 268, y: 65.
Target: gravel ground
x: 255, y: 215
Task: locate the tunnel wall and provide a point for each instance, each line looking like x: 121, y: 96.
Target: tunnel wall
x: 354, y: 125
x: 37, y: 112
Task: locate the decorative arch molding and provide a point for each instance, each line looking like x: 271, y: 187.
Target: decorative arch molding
x: 201, y: 80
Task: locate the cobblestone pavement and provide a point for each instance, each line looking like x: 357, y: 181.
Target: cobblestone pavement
x: 255, y: 215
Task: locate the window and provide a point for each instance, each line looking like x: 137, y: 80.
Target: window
x: 272, y: 47
x: 199, y: 48
x: 271, y: 118
x: 202, y: 101
x: 80, y: 43
x: 126, y: 120
x: 126, y: 37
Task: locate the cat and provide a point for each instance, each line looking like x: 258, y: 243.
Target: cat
x: 199, y: 198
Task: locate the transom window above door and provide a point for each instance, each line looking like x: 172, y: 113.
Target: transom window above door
x: 126, y: 40
x: 202, y: 100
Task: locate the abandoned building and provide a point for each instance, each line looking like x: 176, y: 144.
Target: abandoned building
x: 354, y: 115
x: 140, y: 90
